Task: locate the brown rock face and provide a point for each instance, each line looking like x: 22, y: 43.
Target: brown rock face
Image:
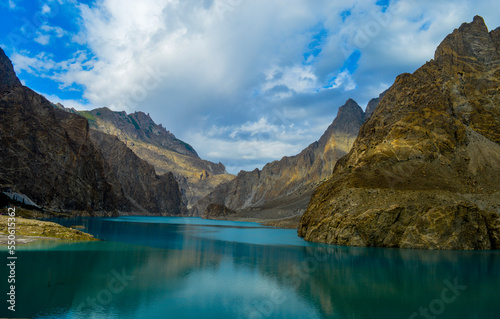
x: 160, y: 148
x: 424, y: 170
x: 136, y: 126
x: 146, y: 191
x: 285, y: 185
x: 217, y: 210
x: 372, y: 104
x: 48, y: 155
x: 8, y: 77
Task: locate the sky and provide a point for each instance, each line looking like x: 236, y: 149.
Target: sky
x: 245, y: 82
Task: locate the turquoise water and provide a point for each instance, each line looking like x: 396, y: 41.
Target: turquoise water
x: 161, y: 267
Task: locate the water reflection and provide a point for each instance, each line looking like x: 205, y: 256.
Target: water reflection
x: 158, y: 270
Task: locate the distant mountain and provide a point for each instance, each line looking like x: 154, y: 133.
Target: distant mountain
x: 283, y: 188
x: 370, y: 108
x: 424, y: 171
x: 134, y: 126
x: 154, y: 144
x: 146, y: 191
x: 52, y: 157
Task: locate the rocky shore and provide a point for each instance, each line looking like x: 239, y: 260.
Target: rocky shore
x: 28, y: 230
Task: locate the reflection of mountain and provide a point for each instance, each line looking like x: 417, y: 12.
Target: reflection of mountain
x: 196, y: 277
x: 424, y: 171
x: 283, y: 188
x: 69, y: 277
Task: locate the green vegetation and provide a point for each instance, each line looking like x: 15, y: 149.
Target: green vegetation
x: 187, y: 146
x: 88, y: 115
x: 33, y: 227
x: 136, y: 125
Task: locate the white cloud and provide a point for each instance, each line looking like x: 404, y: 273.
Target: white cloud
x: 46, y: 9
x: 252, y: 144
x: 254, y: 128
x: 297, y: 78
x: 342, y: 79
x: 244, y: 154
x: 43, y: 39
x: 57, y: 31
x: 227, y: 67
x: 40, y: 64
x: 45, y: 32
x: 77, y: 105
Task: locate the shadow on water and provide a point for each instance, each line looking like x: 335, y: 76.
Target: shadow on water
x: 159, y: 269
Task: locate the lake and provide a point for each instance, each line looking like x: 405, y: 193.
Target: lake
x: 165, y: 267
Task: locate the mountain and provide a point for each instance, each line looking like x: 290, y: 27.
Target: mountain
x: 8, y: 78
x: 51, y: 156
x: 424, y: 171
x: 372, y: 104
x: 154, y: 144
x: 146, y: 191
x: 283, y: 188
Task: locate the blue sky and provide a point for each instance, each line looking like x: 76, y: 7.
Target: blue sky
x: 244, y: 82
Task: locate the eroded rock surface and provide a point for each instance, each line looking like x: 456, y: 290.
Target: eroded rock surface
x: 160, y: 148
x: 48, y: 155
x: 424, y: 171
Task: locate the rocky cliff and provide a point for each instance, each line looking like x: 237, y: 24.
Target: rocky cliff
x: 8, y: 78
x: 424, y: 171
x: 154, y: 144
x: 372, y: 104
x: 285, y: 186
x: 48, y: 155
x: 146, y: 191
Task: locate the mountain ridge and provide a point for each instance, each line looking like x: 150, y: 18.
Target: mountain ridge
x: 160, y: 148
x: 49, y: 156
x: 138, y: 124
x: 8, y: 78
x: 282, y: 188
x: 424, y: 170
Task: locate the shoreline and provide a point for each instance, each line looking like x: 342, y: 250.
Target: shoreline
x: 290, y: 222
x: 23, y: 240
x: 30, y: 230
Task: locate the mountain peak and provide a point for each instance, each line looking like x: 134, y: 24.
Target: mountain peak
x: 429, y: 158
x: 8, y: 77
x: 349, y: 118
x: 351, y: 107
x: 143, y: 118
x: 469, y: 48
x: 479, y: 21
x: 351, y: 104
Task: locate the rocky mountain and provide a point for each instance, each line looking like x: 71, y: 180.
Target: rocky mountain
x: 154, y: 144
x: 372, y: 104
x: 146, y: 191
x: 424, y: 171
x: 52, y: 157
x: 8, y: 78
x: 283, y: 188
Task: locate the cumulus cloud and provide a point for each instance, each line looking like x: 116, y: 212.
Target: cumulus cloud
x: 294, y: 79
x: 227, y: 67
x: 68, y: 103
x: 243, y: 154
x: 46, y: 9
x: 43, y: 39
x: 40, y: 64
